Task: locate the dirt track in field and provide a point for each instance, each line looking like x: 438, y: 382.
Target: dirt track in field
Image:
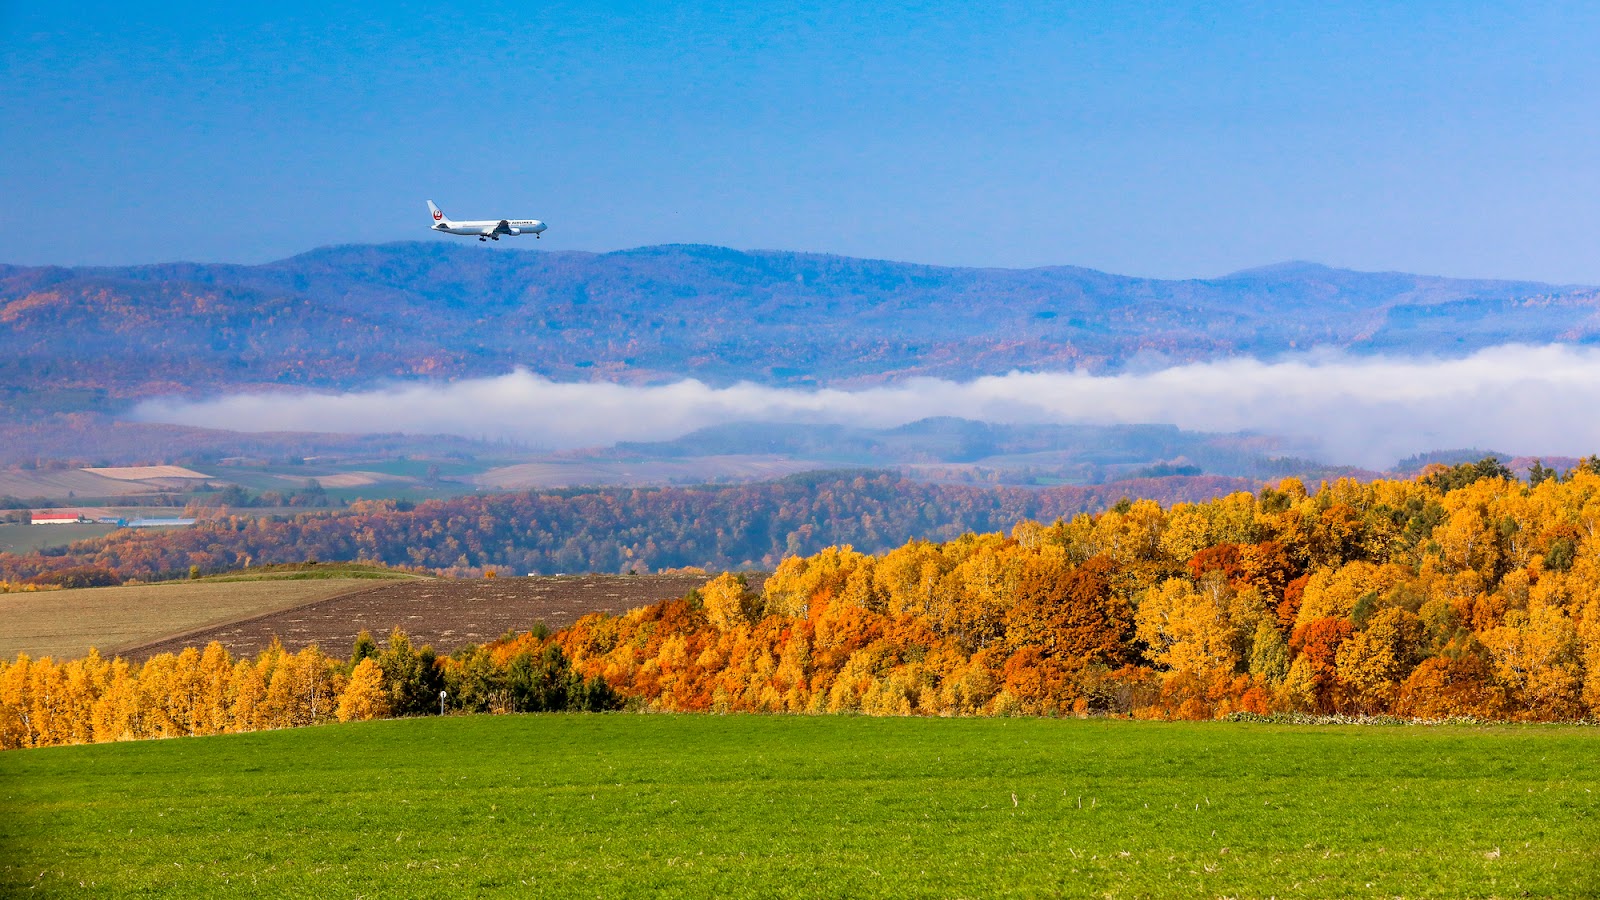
x: 448, y: 614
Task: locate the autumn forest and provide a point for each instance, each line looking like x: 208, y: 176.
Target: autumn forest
x: 750, y: 526
x: 1465, y: 593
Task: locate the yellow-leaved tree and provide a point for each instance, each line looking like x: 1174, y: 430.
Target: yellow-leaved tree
x: 727, y: 603
x: 1188, y: 629
x: 1539, y: 656
x: 364, y: 697
x: 1376, y: 660
x: 15, y: 728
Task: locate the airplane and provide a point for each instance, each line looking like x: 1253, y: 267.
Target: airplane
x: 487, y: 229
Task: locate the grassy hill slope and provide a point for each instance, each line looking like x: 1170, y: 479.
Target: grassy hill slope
x: 697, y: 806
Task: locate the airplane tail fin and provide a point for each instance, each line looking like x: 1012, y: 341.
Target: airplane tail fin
x: 438, y: 214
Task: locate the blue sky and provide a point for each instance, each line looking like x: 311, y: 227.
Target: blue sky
x: 1169, y: 140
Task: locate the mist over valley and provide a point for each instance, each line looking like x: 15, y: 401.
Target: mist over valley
x: 560, y: 350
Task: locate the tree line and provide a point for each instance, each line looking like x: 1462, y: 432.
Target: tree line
x: 47, y: 702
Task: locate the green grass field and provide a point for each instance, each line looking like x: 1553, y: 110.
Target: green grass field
x: 306, y: 572
x: 28, y: 538
x: 701, y: 806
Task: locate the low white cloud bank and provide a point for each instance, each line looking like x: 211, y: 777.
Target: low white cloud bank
x: 1369, y: 411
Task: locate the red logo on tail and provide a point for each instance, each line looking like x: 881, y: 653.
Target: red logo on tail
x: 437, y: 215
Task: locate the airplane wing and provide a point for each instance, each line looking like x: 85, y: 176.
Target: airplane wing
x: 504, y: 227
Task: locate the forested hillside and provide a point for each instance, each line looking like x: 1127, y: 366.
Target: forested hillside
x: 1465, y: 593
x: 734, y: 527
x: 344, y: 316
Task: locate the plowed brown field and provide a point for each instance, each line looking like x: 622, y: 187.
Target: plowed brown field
x: 447, y: 614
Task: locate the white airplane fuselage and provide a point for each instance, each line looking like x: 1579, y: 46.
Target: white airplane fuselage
x: 484, y: 229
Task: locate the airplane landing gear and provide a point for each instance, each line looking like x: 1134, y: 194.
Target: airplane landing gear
x: 482, y: 239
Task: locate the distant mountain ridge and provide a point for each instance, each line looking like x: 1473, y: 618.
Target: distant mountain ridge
x: 340, y: 317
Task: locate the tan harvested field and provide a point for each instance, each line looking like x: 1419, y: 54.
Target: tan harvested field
x: 140, y: 473
x: 590, y: 472
x: 65, y: 624
x: 446, y: 613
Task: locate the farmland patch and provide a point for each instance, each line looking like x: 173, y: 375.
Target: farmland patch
x: 448, y: 614
x: 65, y: 483
x: 65, y: 624
x: 141, y: 473
x: 27, y: 538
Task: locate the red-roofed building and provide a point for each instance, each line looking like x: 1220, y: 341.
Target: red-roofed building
x: 57, y: 517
